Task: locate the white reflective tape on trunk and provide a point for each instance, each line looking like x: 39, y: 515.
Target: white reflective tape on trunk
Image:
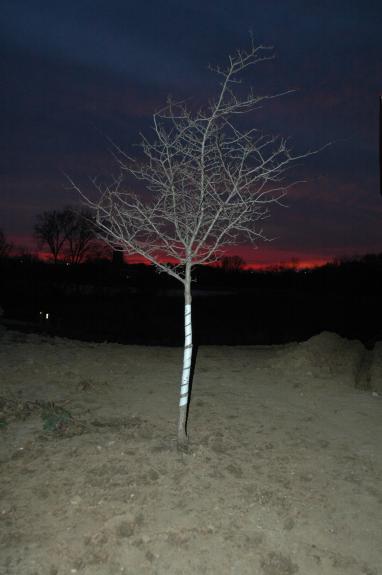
x: 187, y: 318
x: 187, y: 356
x: 183, y: 401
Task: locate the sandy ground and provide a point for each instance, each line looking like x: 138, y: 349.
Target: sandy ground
x: 284, y: 474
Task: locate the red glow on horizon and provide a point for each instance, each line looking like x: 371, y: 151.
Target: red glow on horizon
x: 268, y: 258
x: 256, y: 266
x: 299, y: 265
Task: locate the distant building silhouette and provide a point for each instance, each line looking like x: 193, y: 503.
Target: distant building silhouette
x: 117, y: 258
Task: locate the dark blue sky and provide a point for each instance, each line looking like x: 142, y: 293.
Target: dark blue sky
x: 74, y: 72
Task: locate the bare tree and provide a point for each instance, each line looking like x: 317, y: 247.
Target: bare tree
x: 232, y: 263
x: 5, y: 246
x: 68, y: 232
x: 51, y: 229
x: 208, y: 184
x: 80, y: 235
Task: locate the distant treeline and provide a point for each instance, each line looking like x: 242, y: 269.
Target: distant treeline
x: 110, y: 300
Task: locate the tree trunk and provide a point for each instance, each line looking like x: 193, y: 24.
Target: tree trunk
x: 187, y: 360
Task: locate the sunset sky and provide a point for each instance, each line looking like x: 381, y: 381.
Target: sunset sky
x: 76, y: 72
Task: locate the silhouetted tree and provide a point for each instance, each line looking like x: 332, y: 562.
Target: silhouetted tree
x: 52, y: 229
x: 5, y: 247
x: 80, y: 235
x: 209, y: 183
x: 232, y: 263
x: 68, y: 233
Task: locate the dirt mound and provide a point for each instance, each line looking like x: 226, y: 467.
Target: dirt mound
x: 375, y: 370
x: 324, y: 355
